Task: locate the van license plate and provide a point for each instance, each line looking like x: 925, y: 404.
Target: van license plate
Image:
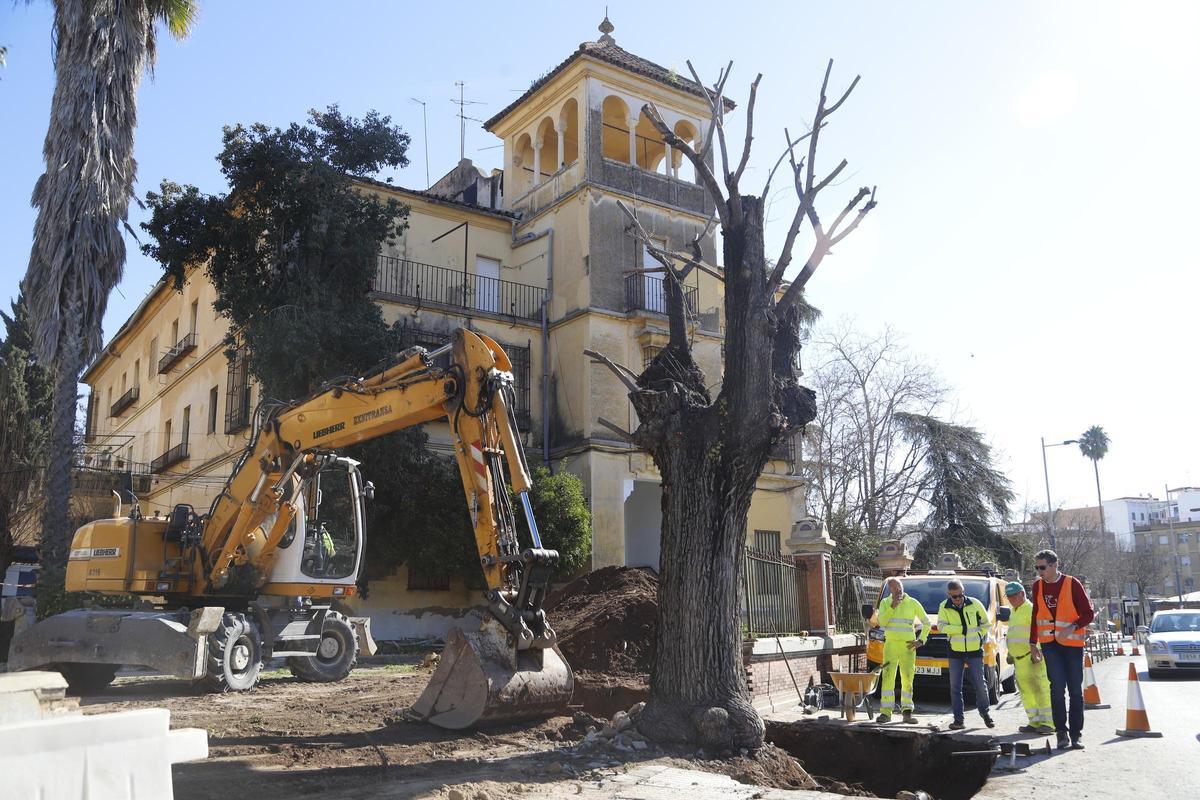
x: 1181, y: 657
x: 929, y: 670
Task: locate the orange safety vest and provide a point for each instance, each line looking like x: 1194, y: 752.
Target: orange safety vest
x: 1063, y: 629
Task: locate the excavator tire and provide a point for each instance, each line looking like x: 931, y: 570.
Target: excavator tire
x: 87, y: 678
x: 234, y: 655
x: 335, y: 655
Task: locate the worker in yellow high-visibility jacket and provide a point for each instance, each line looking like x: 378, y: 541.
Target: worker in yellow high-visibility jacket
x: 898, y: 615
x: 1031, y: 675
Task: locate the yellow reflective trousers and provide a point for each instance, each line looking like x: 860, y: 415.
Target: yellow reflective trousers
x: 1035, y: 690
x: 898, y: 656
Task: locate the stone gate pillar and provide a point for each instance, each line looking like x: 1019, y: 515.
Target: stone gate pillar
x: 893, y: 558
x: 811, y: 548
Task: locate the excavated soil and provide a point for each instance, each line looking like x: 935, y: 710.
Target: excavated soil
x: 605, y: 620
x: 605, y: 623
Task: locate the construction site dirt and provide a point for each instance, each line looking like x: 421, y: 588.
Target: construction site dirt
x: 605, y: 622
x: 289, y: 740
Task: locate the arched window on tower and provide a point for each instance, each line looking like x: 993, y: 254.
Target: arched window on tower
x: 568, y: 123
x: 684, y: 170
x: 615, y: 137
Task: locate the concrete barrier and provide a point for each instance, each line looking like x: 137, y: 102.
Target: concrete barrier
x: 50, y: 751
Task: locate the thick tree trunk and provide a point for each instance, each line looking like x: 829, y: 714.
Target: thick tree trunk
x: 710, y: 455
x: 56, y: 514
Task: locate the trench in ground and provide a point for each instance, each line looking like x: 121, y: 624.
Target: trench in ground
x: 885, y: 761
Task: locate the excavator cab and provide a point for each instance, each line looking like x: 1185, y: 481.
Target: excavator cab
x: 325, y: 541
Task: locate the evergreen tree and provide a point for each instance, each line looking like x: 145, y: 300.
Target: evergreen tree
x: 26, y: 394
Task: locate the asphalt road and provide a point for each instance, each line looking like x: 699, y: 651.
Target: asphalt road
x: 1111, y: 766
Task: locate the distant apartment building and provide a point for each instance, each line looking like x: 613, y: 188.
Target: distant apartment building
x: 536, y: 256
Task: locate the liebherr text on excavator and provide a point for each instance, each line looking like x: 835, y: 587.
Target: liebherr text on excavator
x: 258, y: 575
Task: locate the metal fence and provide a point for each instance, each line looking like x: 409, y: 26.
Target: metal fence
x: 850, y: 591
x: 412, y: 280
x: 770, y: 600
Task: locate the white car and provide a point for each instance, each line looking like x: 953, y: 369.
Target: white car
x: 1174, y: 643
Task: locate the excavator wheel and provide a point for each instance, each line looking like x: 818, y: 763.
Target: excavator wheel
x: 234, y: 655
x: 87, y: 678
x: 335, y: 656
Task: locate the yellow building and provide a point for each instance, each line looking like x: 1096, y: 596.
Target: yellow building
x: 1178, y: 548
x: 534, y: 255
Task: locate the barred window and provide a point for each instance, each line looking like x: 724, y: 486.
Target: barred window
x: 237, y: 391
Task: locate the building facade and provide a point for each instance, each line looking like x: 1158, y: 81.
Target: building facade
x: 1177, y: 544
x: 536, y: 256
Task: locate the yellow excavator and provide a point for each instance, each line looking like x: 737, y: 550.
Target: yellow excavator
x: 260, y: 575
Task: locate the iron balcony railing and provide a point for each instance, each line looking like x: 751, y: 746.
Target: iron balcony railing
x: 425, y: 283
x: 184, y: 346
x: 170, y: 458
x: 647, y: 293
x: 124, y: 402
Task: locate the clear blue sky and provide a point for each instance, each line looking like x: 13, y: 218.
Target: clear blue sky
x: 1036, y: 164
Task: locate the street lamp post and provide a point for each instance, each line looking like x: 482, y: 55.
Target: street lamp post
x: 1046, y: 475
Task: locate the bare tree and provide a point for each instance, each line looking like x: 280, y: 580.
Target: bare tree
x: 862, y: 465
x: 1146, y: 568
x: 711, y: 450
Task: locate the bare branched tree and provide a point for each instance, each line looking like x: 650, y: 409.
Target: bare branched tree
x: 711, y: 450
x: 861, y: 465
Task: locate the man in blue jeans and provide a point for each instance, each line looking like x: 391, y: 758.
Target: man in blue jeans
x: 1061, y: 613
x: 964, y: 621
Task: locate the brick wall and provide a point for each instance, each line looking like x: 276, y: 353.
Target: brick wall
x: 767, y: 675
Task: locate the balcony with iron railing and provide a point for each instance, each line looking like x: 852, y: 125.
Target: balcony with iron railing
x: 184, y: 346
x: 647, y: 293
x: 170, y: 458
x: 124, y: 402
x: 401, y: 279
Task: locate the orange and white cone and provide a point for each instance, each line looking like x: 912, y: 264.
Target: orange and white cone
x: 1120, y: 647
x: 1135, y: 652
x: 1091, y: 692
x: 1136, y: 721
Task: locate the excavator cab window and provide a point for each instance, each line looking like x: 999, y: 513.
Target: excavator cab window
x: 330, y: 525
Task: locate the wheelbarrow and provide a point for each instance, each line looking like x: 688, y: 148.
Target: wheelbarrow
x: 855, y: 688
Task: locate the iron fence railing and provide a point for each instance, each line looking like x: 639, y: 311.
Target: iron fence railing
x: 412, y: 280
x: 181, y: 348
x: 851, y: 590
x: 646, y: 292
x: 124, y: 402
x: 173, y: 456
x: 770, y: 597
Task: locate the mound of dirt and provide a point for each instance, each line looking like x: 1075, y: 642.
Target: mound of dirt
x: 605, y: 620
x: 769, y: 766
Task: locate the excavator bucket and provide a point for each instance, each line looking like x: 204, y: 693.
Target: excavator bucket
x: 482, y: 680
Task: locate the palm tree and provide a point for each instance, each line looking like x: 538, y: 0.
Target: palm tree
x: 102, y: 47
x: 1093, y: 443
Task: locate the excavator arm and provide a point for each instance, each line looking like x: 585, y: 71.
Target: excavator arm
x: 468, y: 384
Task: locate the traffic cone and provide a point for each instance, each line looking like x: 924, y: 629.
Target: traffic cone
x: 1135, y: 652
x: 1120, y: 647
x: 1091, y: 692
x: 1136, y: 722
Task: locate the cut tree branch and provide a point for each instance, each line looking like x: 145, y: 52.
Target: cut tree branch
x: 617, y: 429
x: 741, y: 167
x: 807, y: 187
x: 698, y: 163
x: 623, y: 373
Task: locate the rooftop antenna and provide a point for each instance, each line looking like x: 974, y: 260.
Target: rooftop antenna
x: 462, y: 103
x: 425, y: 126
